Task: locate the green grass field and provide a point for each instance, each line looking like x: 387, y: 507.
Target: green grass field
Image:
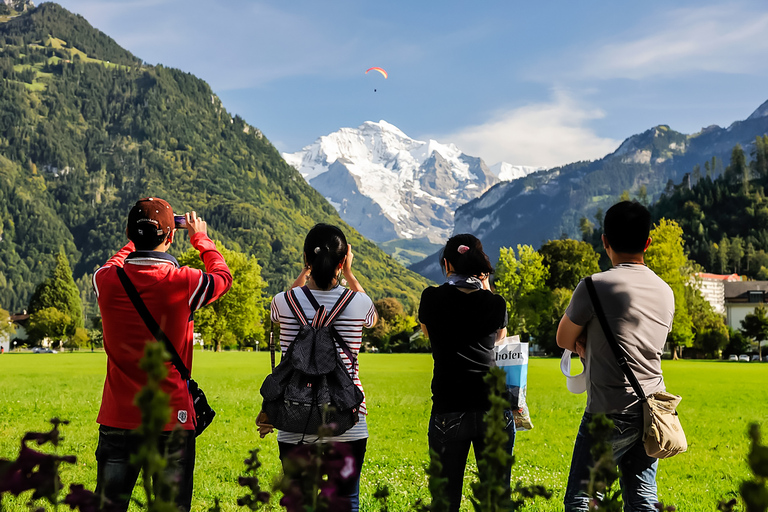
x: 719, y: 400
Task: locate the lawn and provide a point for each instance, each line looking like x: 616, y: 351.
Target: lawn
x: 719, y: 400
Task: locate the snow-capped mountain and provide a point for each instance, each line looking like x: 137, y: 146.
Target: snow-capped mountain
x: 388, y: 185
x: 509, y: 172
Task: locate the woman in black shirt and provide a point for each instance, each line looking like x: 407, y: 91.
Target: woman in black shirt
x: 463, y: 320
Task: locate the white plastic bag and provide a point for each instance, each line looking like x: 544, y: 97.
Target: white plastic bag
x: 512, y: 357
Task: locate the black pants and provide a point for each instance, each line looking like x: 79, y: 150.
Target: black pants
x: 451, y: 434
x: 116, y: 476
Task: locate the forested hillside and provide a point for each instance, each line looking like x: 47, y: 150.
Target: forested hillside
x: 86, y: 129
x: 725, y: 219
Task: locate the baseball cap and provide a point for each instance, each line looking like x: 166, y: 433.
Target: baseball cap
x: 150, y: 220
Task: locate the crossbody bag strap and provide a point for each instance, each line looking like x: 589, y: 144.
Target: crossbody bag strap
x: 346, y: 297
x: 621, y: 357
x: 150, y: 322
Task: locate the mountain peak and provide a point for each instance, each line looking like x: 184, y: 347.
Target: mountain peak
x: 385, y: 183
x: 382, y: 126
x: 762, y: 111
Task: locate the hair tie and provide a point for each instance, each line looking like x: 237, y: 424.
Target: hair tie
x: 462, y: 249
x: 317, y: 250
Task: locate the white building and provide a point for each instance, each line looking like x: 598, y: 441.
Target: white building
x: 712, y: 288
x: 741, y: 299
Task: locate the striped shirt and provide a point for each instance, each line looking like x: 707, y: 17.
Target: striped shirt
x: 358, y: 314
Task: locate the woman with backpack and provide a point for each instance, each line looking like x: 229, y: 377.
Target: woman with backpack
x: 463, y: 320
x: 320, y: 287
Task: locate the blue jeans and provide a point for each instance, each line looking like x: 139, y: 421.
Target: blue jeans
x: 636, y: 469
x: 116, y: 476
x: 351, y: 489
x: 451, y: 434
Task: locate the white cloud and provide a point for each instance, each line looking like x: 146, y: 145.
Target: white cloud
x: 728, y: 39
x: 541, y: 134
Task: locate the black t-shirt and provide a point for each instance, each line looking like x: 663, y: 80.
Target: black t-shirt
x: 462, y: 330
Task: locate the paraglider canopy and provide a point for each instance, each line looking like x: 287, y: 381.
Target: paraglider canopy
x: 380, y: 70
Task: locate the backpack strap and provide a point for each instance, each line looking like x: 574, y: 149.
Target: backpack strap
x: 295, y: 307
x: 329, y: 316
x: 341, y: 304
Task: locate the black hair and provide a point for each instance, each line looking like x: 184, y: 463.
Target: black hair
x: 324, y: 248
x: 626, y: 226
x: 470, y: 262
x: 148, y: 242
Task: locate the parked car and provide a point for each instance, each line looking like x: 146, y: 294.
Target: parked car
x: 744, y: 358
x: 43, y: 350
x: 733, y: 357
x: 765, y: 359
x: 755, y: 358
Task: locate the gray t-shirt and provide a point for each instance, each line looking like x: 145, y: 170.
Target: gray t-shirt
x: 639, y: 307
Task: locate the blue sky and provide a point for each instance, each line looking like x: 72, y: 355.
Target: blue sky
x: 530, y: 83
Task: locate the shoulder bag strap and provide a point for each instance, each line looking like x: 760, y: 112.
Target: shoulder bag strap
x: 621, y: 358
x: 150, y: 322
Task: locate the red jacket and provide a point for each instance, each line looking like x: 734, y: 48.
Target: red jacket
x: 172, y: 294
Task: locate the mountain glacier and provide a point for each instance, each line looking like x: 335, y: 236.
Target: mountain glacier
x: 388, y: 185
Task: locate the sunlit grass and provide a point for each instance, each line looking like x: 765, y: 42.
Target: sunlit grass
x: 719, y: 400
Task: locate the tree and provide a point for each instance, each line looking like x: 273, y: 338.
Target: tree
x: 665, y: 256
x: 50, y: 323
x: 723, y: 251
x: 738, y: 168
x: 696, y: 174
x: 59, y: 291
x: 750, y: 254
x: 7, y: 329
x: 599, y: 218
x: 586, y: 227
x: 642, y: 195
x: 736, y: 253
x: 710, y: 331
x: 755, y: 327
x: 516, y: 279
x: 569, y: 261
x: 237, y: 318
x: 78, y: 339
x: 737, y: 344
x: 393, y: 331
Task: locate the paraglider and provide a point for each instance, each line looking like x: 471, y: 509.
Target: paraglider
x: 380, y: 70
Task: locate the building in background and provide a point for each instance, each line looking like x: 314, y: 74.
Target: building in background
x: 712, y: 288
x: 741, y: 299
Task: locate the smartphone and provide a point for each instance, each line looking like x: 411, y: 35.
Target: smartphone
x: 180, y: 221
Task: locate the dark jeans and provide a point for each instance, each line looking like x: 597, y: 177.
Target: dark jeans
x: 116, y: 476
x: 351, y: 489
x: 451, y: 434
x: 637, y: 470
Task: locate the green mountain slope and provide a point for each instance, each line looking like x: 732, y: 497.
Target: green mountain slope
x: 725, y: 219
x: 82, y: 138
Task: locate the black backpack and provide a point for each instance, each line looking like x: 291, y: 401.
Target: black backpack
x: 311, y: 386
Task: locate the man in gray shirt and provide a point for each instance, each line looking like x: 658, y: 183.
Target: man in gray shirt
x: 639, y: 307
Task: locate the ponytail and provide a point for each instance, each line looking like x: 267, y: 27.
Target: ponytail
x: 324, y: 249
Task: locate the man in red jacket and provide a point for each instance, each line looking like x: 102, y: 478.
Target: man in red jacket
x: 172, y: 294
